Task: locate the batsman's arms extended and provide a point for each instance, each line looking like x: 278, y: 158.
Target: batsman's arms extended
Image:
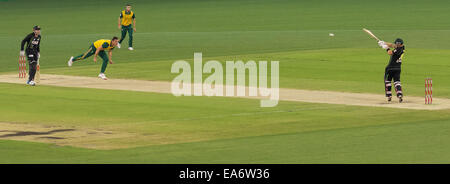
x: 390, y: 45
x: 386, y: 46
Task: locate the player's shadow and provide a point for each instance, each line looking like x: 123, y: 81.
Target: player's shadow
x: 28, y: 133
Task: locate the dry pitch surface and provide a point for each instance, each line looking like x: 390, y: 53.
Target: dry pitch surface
x: 310, y: 96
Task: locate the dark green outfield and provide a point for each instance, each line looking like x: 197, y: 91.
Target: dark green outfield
x: 418, y: 142
x: 169, y: 30
x: 222, y: 130
x: 233, y: 131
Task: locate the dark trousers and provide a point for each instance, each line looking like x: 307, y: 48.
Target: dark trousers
x: 389, y: 75
x: 91, y: 51
x: 128, y: 29
x: 32, y: 57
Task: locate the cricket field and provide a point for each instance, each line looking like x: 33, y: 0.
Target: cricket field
x: 63, y: 120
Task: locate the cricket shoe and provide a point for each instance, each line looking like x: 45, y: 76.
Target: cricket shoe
x: 400, y: 99
x: 31, y: 83
x: 102, y: 76
x: 130, y: 48
x: 118, y: 45
x: 389, y: 99
x: 70, y: 62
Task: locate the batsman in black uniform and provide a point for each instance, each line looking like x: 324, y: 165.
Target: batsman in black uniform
x: 393, y: 69
x: 32, y: 51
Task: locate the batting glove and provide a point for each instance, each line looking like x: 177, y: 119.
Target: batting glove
x: 381, y: 43
x: 385, y: 46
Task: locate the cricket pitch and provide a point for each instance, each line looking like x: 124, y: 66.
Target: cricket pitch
x: 310, y: 96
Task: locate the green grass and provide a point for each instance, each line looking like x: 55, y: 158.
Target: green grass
x: 419, y: 142
x: 222, y: 130
x: 183, y: 119
x: 291, y: 32
x: 175, y: 29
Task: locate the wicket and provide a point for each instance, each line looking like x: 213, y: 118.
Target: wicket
x: 22, y: 67
x: 428, y: 91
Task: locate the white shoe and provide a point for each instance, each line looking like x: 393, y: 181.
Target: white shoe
x: 102, y: 76
x: 31, y: 83
x: 130, y: 48
x: 70, y: 62
x: 118, y: 45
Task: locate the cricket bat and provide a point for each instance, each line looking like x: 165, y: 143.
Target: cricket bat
x: 37, y: 78
x: 371, y: 34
